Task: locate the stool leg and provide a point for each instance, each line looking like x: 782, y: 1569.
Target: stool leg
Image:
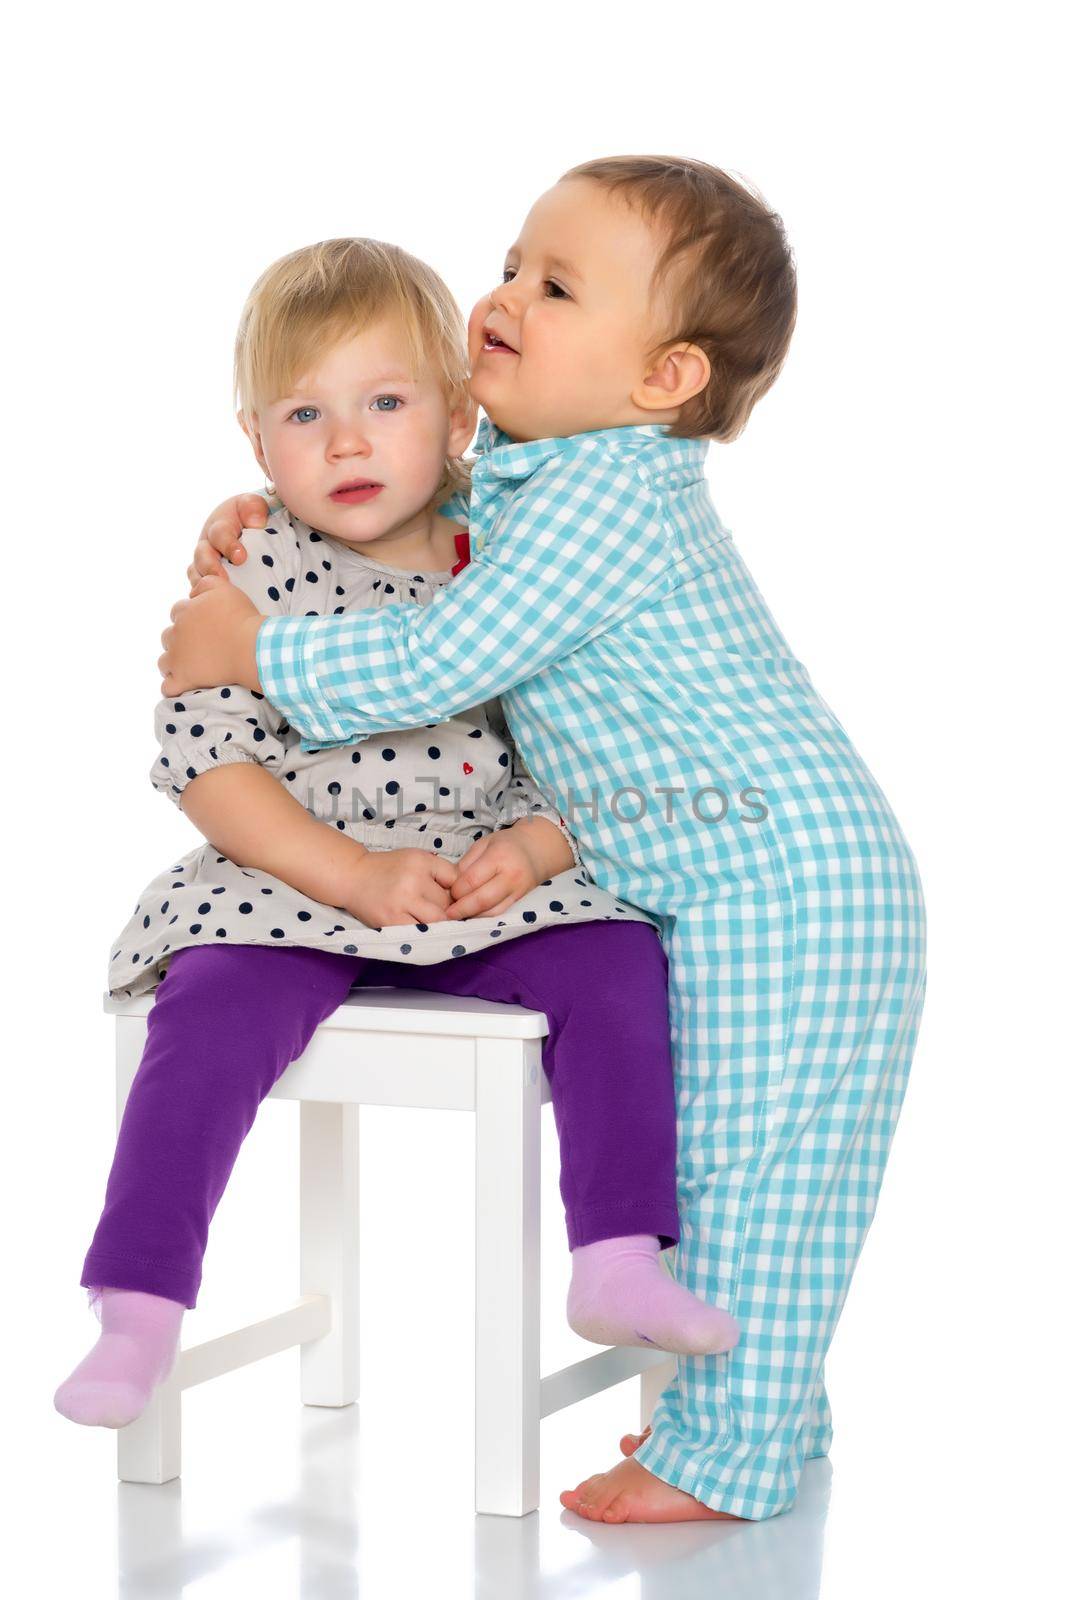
x: 329, y: 1248
x: 507, y: 1339
x: 149, y: 1448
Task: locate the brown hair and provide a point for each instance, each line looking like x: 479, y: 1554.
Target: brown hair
x: 728, y: 277
x: 310, y: 300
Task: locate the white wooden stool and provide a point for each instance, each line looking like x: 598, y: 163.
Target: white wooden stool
x: 402, y: 1047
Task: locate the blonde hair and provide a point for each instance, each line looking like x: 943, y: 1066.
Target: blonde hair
x: 731, y: 277
x: 313, y: 298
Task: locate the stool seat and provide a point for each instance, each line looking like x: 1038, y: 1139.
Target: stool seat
x: 386, y: 1010
x: 404, y: 1047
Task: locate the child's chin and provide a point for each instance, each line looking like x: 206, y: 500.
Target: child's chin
x: 482, y: 386
x: 496, y: 408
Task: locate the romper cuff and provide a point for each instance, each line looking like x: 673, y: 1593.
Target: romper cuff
x: 288, y: 665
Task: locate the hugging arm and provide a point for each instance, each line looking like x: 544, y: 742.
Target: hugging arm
x: 221, y: 534
x: 575, y: 551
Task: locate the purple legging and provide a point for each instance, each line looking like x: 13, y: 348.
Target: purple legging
x: 228, y: 1020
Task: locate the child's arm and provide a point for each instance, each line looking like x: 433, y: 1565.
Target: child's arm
x: 522, y: 801
x: 251, y: 818
x: 221, y: 534
x: 575, y: 552
x: 222, y: 761
x: 219, y: 752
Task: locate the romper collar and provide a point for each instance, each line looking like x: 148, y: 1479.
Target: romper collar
x: 499, y: 456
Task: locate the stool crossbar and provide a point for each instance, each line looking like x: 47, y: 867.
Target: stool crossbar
x: 400, y: 1047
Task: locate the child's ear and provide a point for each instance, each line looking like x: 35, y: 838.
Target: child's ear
x: 463, y: 421
x: 250, y: 428
x: 680, y: 372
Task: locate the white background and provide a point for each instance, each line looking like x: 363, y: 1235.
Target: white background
x: 897, y: 500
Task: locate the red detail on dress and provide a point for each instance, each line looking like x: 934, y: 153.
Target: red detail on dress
x: 463, y: 548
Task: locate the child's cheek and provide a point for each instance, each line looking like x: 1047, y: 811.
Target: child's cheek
x: 475, y: 324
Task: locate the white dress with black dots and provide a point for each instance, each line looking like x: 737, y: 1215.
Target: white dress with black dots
x: 436, y: 788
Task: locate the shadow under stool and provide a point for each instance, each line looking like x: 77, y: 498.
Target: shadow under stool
x: 393, y: 1047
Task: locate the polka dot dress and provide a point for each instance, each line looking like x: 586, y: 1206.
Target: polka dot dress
x: 439, y: 788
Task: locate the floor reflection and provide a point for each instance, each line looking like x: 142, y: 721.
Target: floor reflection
x: 330, y: 1531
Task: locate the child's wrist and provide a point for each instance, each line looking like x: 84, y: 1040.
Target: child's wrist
x: 550, y: 843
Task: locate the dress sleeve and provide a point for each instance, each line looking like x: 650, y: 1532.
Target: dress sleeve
x: 207, y: 728
x: 578, y: 547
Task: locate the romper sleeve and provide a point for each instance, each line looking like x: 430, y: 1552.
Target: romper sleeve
x: 522, y: 797
x: 577, y: 548
x: 207, y: 728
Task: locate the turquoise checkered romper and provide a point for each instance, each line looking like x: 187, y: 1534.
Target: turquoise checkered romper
x: 651, y: 693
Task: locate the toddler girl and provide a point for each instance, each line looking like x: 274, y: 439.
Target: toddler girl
x: 330, y: 868
x: 646, y: 305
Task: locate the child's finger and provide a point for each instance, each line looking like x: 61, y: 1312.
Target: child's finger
x: 209, y: 580
x: 478, y: 848
x: 225, y: 540
x: 501, y: 905
x: 444, y: 872
x: 423, y: 910
x: 485, y: 911
x: 206, y: 562
x: 479, y: 902
x: 474, y: 876
x: 253, y: 510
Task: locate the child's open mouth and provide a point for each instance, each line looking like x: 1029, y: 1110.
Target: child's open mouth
x: 351, y: 494
x: 495, y: 344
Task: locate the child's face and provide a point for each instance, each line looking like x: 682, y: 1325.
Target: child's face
x: 575, y: 308
x: 359, y: 417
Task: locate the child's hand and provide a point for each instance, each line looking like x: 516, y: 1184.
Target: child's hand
x: 497, y: 870
x: 390, y: 886
x: 212, y: 640
x: 221, y: 535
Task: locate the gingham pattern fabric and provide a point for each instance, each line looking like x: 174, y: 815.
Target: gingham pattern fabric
x: 654, y: 698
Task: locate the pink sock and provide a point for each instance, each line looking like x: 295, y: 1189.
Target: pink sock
x: 620, y: 1294
x: 133, y: 1354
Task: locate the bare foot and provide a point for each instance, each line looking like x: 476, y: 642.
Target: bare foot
x: 628, y: 1493
x: 630, y: 1441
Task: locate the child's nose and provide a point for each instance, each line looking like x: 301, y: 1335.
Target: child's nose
x: 506, y: 297
x: 347, y: 441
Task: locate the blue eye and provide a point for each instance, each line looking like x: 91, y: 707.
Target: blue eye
x: 301, y: 414
x: 395, y: 398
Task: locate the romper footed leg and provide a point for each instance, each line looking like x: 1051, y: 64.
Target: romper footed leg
x: 792, y: 1067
